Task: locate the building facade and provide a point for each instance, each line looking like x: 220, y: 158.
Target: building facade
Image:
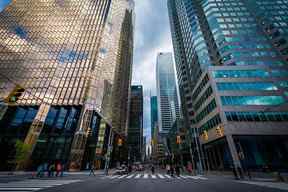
x: 54, y: 82
x: 154, y: 114
x: 135, y: 127
x: 231, y: 61
x: 167, y: 96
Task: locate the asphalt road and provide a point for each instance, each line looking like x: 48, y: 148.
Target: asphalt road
x: 129, y: 183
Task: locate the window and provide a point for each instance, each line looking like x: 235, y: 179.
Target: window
x: 252, y: 100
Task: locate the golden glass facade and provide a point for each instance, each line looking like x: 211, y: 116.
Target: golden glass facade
x: 62, y: 53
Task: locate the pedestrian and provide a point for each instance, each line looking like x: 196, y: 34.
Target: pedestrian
x: 39, y: 171
x: 177, y: 170
x: 62, y: 170
x: 172, y: 170
x: 168, y: 169
x: 51, y: 170
x: 234, y: 172
x: 91, y: 169
x: 58, y: 169
x: 152, y: 169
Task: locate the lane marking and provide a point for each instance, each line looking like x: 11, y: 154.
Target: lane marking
x: 122, y: 176
x: 153, y: 176
x: 161, y: 176
x: 130, y: 176
x: 138, y: 176
x: 145, y: 176
x: 168, y: 176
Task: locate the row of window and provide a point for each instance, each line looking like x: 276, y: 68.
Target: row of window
x: 252, y: 100
x: 203, y: 98
x: 265, y: 86
x: 254, y: 73
x: 200, y: 87
x: 257, y: 116
x: 208, y: 109
x: 213, y: 122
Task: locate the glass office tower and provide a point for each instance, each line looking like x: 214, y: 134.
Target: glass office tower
x: 135, y: 127
x: 167, y: 97
x: 231, y: 60
x: 52, y: 78
x: 154, y: 114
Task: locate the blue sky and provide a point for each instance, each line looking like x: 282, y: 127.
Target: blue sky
x: 152, y: 35
x: 3, y: 3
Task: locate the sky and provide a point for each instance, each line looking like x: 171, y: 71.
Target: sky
x: 152, y: 35
x: 3, y: 3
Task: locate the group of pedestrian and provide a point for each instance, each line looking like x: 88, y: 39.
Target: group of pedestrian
x: 173, y: 169
x: 52, y: 169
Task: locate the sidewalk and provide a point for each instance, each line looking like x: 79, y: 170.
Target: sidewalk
x: 30, y: 173
x: 255, y: 176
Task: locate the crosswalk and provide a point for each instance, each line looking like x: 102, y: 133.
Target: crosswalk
x: 29, y: 185
x: 153, y: 176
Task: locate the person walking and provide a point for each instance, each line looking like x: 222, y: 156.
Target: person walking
x: 172, y: 170
x: 91, y: 169
x: 51, y: 170
x: 152, y: 169
x: 58, y: 169
x: 177, y: 170
x: 168, y: 169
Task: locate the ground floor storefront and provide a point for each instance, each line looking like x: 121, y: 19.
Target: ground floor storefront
x: 256, y: 153
x: 55, y: 140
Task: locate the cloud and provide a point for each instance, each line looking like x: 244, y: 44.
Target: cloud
x: 152, y: 35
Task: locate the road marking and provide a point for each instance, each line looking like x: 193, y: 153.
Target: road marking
x: 184, y: 177
x: 161, y: 176
x: 138, y: 176
x: 145, y: 176
x: 122, y: 176
x: 168, y: 176
x: 153, y: 176
x: 114, y: 177
x: 17, y: 189
x: 32, y: 185
x: 130, y: 176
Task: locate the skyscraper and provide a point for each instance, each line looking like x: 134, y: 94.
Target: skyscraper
x: 231, y: 61
x: 154, y: 114
x: 135, y: 127
x: 56, y: 80
x: 168, y: 105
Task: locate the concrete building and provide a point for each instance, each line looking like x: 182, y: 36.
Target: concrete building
x: 135, y: 127
x: 167, y: 97
x: 231, y: 61
x: 57, y: 77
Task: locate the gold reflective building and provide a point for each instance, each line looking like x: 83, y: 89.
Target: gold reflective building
x: 62, y: 54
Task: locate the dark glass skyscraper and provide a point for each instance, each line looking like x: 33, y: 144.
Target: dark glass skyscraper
x: 231, y: 60
x: 56, y: 80
x: 135, y: 127
x: 154, y: 114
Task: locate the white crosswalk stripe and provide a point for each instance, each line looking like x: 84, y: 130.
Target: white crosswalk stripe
x: 155, y: 176
x: 33, y: 185
x: 138, y: 176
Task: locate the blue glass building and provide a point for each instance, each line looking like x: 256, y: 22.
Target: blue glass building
x: 231, y: 60
x: 167, y: 96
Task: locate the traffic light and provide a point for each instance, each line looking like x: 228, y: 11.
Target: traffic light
x: 89, y: 132
x: 15, y: 94
x: 219, y: 131
x: 120, y: 142
x: 178, y: 139
x: 205, y: 135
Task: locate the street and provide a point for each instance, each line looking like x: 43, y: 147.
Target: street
x: 138, y: 182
